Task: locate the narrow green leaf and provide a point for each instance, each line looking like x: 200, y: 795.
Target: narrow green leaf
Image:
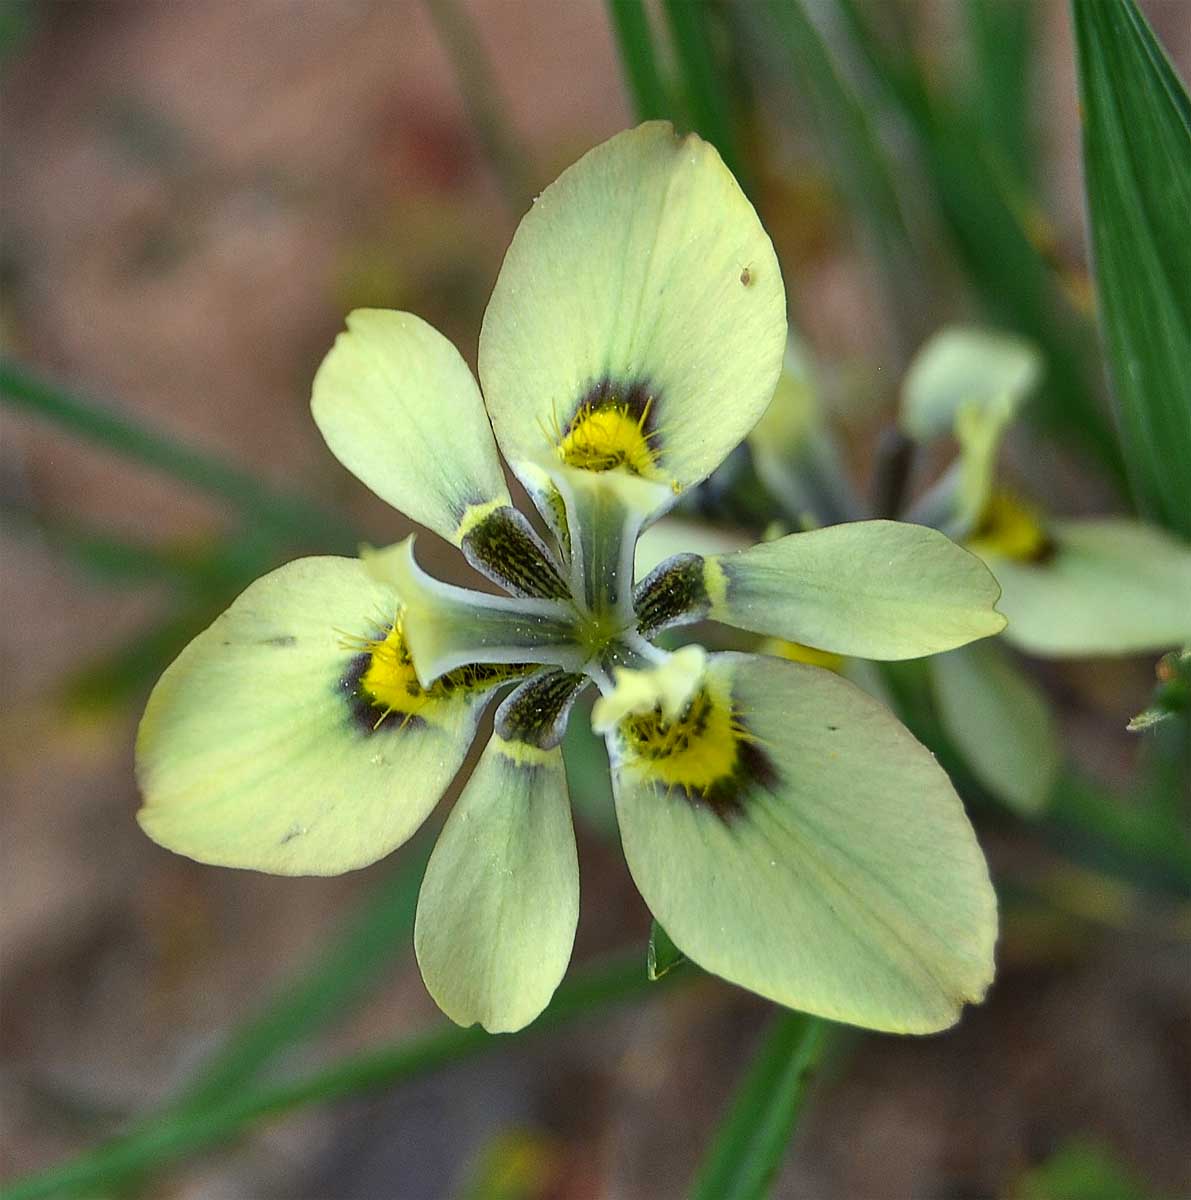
x: 1138, y: 841
x: 289, y: 516
x: 1000, y: 38
x: 858, y: 159
x: 634, y: 40
x: 751, y: 1142
x: 708, y: 101
x: 173, y: 1135
x: 1137, y: 166
x: 125, y: 673
x: 987, y: 226
x: 117, y: 560
x: 374, y: 939
x: 461, y: 40
x: 663, y: 955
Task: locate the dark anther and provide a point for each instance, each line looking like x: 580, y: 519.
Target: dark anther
x: 504, y: 547
x: 673, y: 593
x: 536, y: 712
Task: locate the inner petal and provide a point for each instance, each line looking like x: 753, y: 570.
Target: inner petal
x: 384, y: 684
x: 536, y: 712
x: 448, y: 627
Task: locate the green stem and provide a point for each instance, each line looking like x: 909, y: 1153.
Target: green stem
x: 752, y: 1140
x: 707, y: 99
x: 183, y: 1132
x: 634, y: 40
x: 291, y: 516
x: 463, y: 47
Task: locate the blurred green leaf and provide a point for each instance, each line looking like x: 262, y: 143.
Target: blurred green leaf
x: 123, y: 675
x: 1119, y: 834
x: 291, y: 517
x: 857, y: 156
x: 634, y: 40
x: 1137, y: 167
x: 377, y: 936
x: 749, y: 1145
x: 989, y: 231
x: 117, y: 560
x: 173, y: 1135
x: 18, y: 19
x: 1001, y: 42
x: 1081, y: 1170
x: 708, y: 100
x: 663, y: 955
x: 454, y: 23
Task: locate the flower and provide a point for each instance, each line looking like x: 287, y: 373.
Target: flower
x: 1071, y: 587
x: 785, y: 830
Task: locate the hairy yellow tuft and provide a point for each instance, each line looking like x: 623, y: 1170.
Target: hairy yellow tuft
x: 607, y: 437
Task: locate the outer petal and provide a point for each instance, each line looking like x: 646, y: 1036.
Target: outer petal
x: 842, y: 879
x: 400, y: 409
x: 872, y: 589
x: 254, y: 750
x: 500, y: 899
x: 642, y: 270
x: 1001, y: 722
x: 1110, y: 587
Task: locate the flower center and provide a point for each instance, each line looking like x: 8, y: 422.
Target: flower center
x: 609, y: 436
x: 695, y: 750
x: 1009, y: 528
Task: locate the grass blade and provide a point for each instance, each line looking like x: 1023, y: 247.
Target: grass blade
x: 122, y: 561
x: 708, y: 101
x: 1012, y: 275
x: 177, y: 1134
x: 857, y: 157
x: 1137, y: 167
x: 375, y: 938
x: 1001, y: 35
x: 288, y: 516
x: 461, y: 41
x: 751, y: 1142
x: 634, y: 40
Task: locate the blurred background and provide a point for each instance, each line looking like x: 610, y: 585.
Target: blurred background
x: 192, y: 197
